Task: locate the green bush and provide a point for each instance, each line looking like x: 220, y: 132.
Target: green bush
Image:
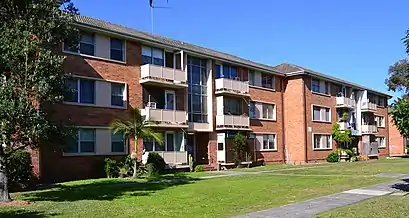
x: 128, y: 163
x: 20, y: 169
x: 199, y: 168
x: 111, y: 168
x: 333, y: 157
x: 151, y: 170
x: 157, y: 161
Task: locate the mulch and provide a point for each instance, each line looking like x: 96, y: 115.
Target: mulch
x: 14, y: 203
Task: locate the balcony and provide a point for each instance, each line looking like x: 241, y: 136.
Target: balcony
x: 369, y: 129
x: 368, y: 107
x: 343, y: 126
x: 163, y: 76
x: 166, y: 118
x: 344, y: 102
x: 231, y: 87
x: 232, y: 122
x: 174, y: 157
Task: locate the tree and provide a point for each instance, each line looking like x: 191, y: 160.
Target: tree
x: 341, y: 137
x: 31, y: 74
x: 399, y: 112
x: 137, y: 127
x: 239, y: 147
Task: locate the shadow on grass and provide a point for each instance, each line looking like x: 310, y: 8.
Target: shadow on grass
x: 402, y: 186
x: 24, y: 214
x: 107, y: 189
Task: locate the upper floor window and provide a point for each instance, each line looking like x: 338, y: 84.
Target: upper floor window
x: 320, y: 86
x: 232, y: 106
x: 152, y: 56
x: 268, y: 111
x: 117, y: 94
x: 117, y: 49
x: 251, y: 77
x: 226, y: 71
x: 321, y: 114
x: 322, y: 141
x: 381, y: 101
x: 80, y: 91
x: 267, y: 81
x: 252, y: 110
x: 84, y: 142
x: 117, y: 142
x: 86, y: 44
x: 380, y: 121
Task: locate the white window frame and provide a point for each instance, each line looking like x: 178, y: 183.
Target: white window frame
x: 273, y: 81
x: 166, y: 141
x: 174, y: 98
x: 274, y: 112
x: 250, y: 112
x: 268, y: 140
x: 123, y: 94
x: 321, y: 144
x: 152, y: 56
x: 381, y: 143
x: 377, y: 119
x: 321, y: 109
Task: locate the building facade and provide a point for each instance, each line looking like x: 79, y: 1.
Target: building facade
x: 200, y: 99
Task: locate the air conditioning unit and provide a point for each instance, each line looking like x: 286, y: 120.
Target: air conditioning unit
x: 151, y: 105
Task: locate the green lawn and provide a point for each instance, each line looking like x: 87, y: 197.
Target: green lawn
x: 195, y: 197
x: 387, y: 206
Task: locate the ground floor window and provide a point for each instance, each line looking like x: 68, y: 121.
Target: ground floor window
x: 381, y: 141
x: 83, y: 142
x: 322, y: 141
x: 269, y: 142
x: 117, y: 143
x: 172, y: 141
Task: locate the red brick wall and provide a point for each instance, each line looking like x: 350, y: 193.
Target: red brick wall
x: 383, y: 131
x: 396, y: 141
x: 56, y: 167
x: 265, y: 126
x: 319, y: 127
x: 294, y: 120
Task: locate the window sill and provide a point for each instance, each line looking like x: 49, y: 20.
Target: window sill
x: 93, y: 105
x: 322, y: 121
x: 92, y: 154
x: 263, y: 88
x: 382, y: 127
x: 268, y: 150
x: 264, y: 119
x: 322, y: 94
x: 383, y: 147
x: 94, y: 57
x: 321, y: 149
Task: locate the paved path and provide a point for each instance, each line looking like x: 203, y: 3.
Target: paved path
x: 314, y: 206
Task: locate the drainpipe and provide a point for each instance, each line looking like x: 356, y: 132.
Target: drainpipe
x: 305, y: 120
x: 282, y: 120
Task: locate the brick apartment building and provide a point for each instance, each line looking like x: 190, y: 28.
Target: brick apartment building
x: 201, y: 98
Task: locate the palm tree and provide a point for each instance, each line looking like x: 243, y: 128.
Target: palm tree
x: 137, y: 127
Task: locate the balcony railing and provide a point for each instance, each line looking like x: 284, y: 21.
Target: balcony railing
x: 166, y: 118
x: 369, y: 129
x: 368, y: 106
x: 174, y: 157
x: 230, y: 86
x: 232, y: 122
x: 345, y: 102
x: 163, y: 76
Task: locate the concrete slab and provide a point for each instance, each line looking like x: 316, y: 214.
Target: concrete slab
x: 367, y: 192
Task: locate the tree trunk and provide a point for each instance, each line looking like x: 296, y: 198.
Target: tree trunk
x: 4, y: 190
x: 135, y: 150
x: 135, y: 168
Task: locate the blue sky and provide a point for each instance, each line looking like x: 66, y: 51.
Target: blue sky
x: 349, y: 39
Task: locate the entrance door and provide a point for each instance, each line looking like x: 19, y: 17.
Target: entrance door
x: 170, y: 141
x: 170, y: 100
x: 191, y: 148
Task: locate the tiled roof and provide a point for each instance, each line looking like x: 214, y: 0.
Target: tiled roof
x: 100, y: 24
x: 292, y: 69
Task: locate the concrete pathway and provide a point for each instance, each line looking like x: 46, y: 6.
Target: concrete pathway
x: 314, y: 206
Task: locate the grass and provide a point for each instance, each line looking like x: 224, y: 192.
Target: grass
x: 386, y: 206
x: 196, y: 197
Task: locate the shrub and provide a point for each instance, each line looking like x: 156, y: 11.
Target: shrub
x: 111, y: 168
x: 157, y: 161
x: 151, y: 170
x: 199, y: 168
x: 239, y: 147
x: 333, y: 157
x: 128, y: 163
x: 20, y: 169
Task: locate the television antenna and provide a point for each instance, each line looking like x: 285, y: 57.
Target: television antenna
x: 157, y: 7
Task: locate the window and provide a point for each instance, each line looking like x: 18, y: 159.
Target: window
x: 322, y: 141
x: 269, y: 142
x: 315, y: 85
x: 251, y: 135
x: 197, y: 90
x: 268, y: 111
x: 252, y: 110
x: 321, y: 114
x: 381, y: 141
x: 86, y: 44
x: 251, y: 77
x: 381, y: 102
x: 152, y: 56
x: 80, y: 91
x: 84, y: 142
x: 380, y: 121
x: 117, y: 143
x: 319, y: 86
x: 117, y: 48
x: 220, y: 146
x: 152, y: 145
x: 226, y: 71
x: 232, y: 106
x: 267, y: 81
x: 117, y: 94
